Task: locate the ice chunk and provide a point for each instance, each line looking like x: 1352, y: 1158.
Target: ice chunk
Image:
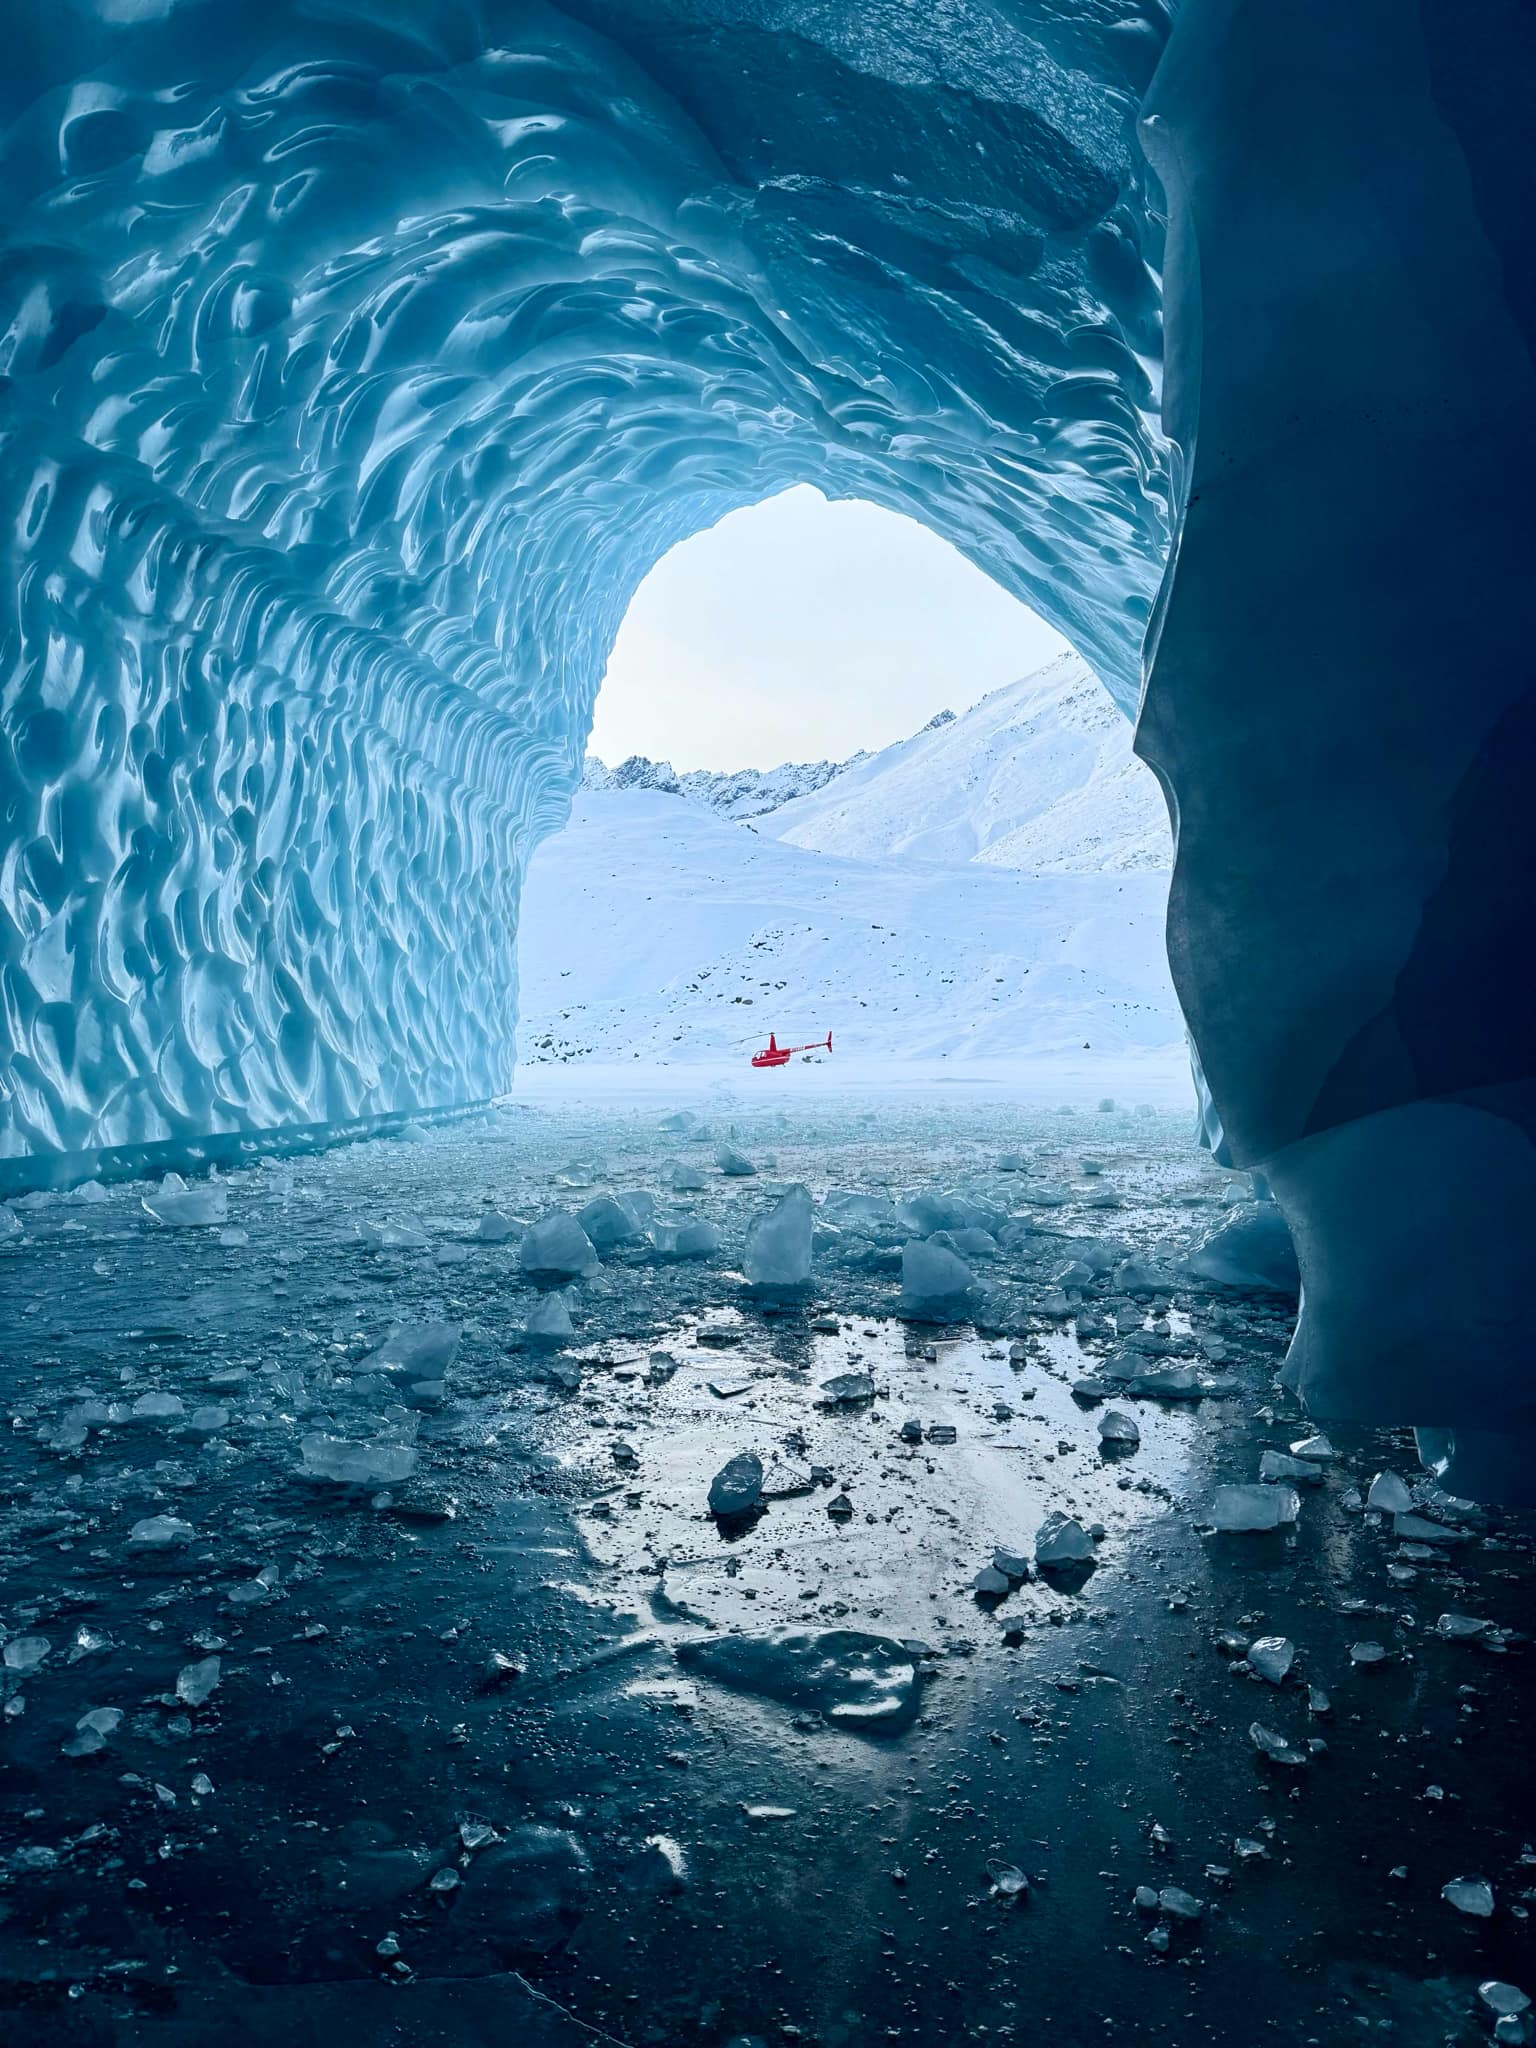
x: 735, y: 1165
x: 1270, y: 1743
x: 608, y: 1223
x: 1315, y: 1449
x: 1141, y: 1277
x: 1246, y: 1508
x: 197, y: 1683
x: 847, y: 1389
x: 683, y: 1178
x: 494, y: 1228
x: 25, y: 1653
x: 1177, y: 1903
x: 866, y: 1683
x: 852, y: 1210
x: 1389, y: 1495
x: 10, y: 1222
x: 778, y: 1249
x: 1463, y: 1628
x: 549, y: 1320
x: 1503, y: 2001
x: 182, y: 1208
x: 557, y: 1244
x: 1419, y: 1529
x: 93, y: 1730
x: 1115, y: 1427
x: 685, y: 1237
x: 345, y: 1463
x: 1061, y: 1541
x: 160, y: 1532
x: 415, y: 1351
x: 737, y: 1488
x: 928, y: 1210
x: 1471, y: 1895
x: 158, y: 1407
x: 1272, y: 1657
x: 934, y: 1283
x: 1249, y: 1251
x: 1276, y: 1465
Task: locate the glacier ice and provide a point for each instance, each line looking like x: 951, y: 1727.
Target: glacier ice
x: 777, y: 1258
x: 558, y: 1245
x: 358, y: 362
x: 935, y: 1284
x: 186, y: 1208
x: 358, y: 365
x: 346, y: 1463
x: 549, y: 1320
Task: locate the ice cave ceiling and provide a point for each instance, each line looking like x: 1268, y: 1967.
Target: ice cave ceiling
x: 359, y: 360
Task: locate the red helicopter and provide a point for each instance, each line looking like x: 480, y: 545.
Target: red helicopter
x: 776, y: 1055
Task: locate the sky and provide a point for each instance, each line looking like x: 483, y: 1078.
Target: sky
x: 803, y: 630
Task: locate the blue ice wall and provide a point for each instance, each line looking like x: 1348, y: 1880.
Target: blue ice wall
x: 356, y: 361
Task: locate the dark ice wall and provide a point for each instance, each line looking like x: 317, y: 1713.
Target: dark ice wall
x: 1341, y: 695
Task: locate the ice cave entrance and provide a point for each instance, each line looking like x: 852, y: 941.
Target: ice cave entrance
x: 839, y: 780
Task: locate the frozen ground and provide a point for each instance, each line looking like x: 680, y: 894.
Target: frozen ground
x: 520, y: 1744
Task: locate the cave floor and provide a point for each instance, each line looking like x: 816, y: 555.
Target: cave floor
x: 527, y: 1748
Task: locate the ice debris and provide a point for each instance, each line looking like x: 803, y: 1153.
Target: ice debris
x: 737, y: 1488
x: 1389, y: 1495
x: 935, y: 1283
x: 1470, y: 1895
x: 1248, y: 1251
x: 197, y: 1683
x: 160, y: 1532
x: 778, y: 1249
x: 609, y: 1223
x: 184, y: 1208
x: 1061, y: 1541
x: 549, y: 1320
x: 1116, y: 1427
x: 1271, y: 1744
x: 684, y: 1237
x: 1271, y: 1657
x: 1243, y: 1509
x: 558, y: 1245
x: 345, y: 1463
x: 415, y: 1351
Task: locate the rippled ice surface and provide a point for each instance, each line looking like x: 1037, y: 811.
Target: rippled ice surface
x: 513, y: 1740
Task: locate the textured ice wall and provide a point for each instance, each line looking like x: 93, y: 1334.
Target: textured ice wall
x: 358, y: 360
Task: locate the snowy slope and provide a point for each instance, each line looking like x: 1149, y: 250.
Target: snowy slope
x: 1038, y: 776
x: 653, y: 929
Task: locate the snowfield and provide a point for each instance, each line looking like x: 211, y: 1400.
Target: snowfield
x: 657, y: 932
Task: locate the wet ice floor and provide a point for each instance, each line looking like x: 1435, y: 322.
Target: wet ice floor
x: 526, y: 1746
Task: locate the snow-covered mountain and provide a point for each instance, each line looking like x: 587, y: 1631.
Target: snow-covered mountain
x: 1039, y: 776
x: 654, y: 930
x: 992, y: 889
x: 744, y: 793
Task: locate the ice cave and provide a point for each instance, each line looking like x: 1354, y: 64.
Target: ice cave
x: 358, y: 359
